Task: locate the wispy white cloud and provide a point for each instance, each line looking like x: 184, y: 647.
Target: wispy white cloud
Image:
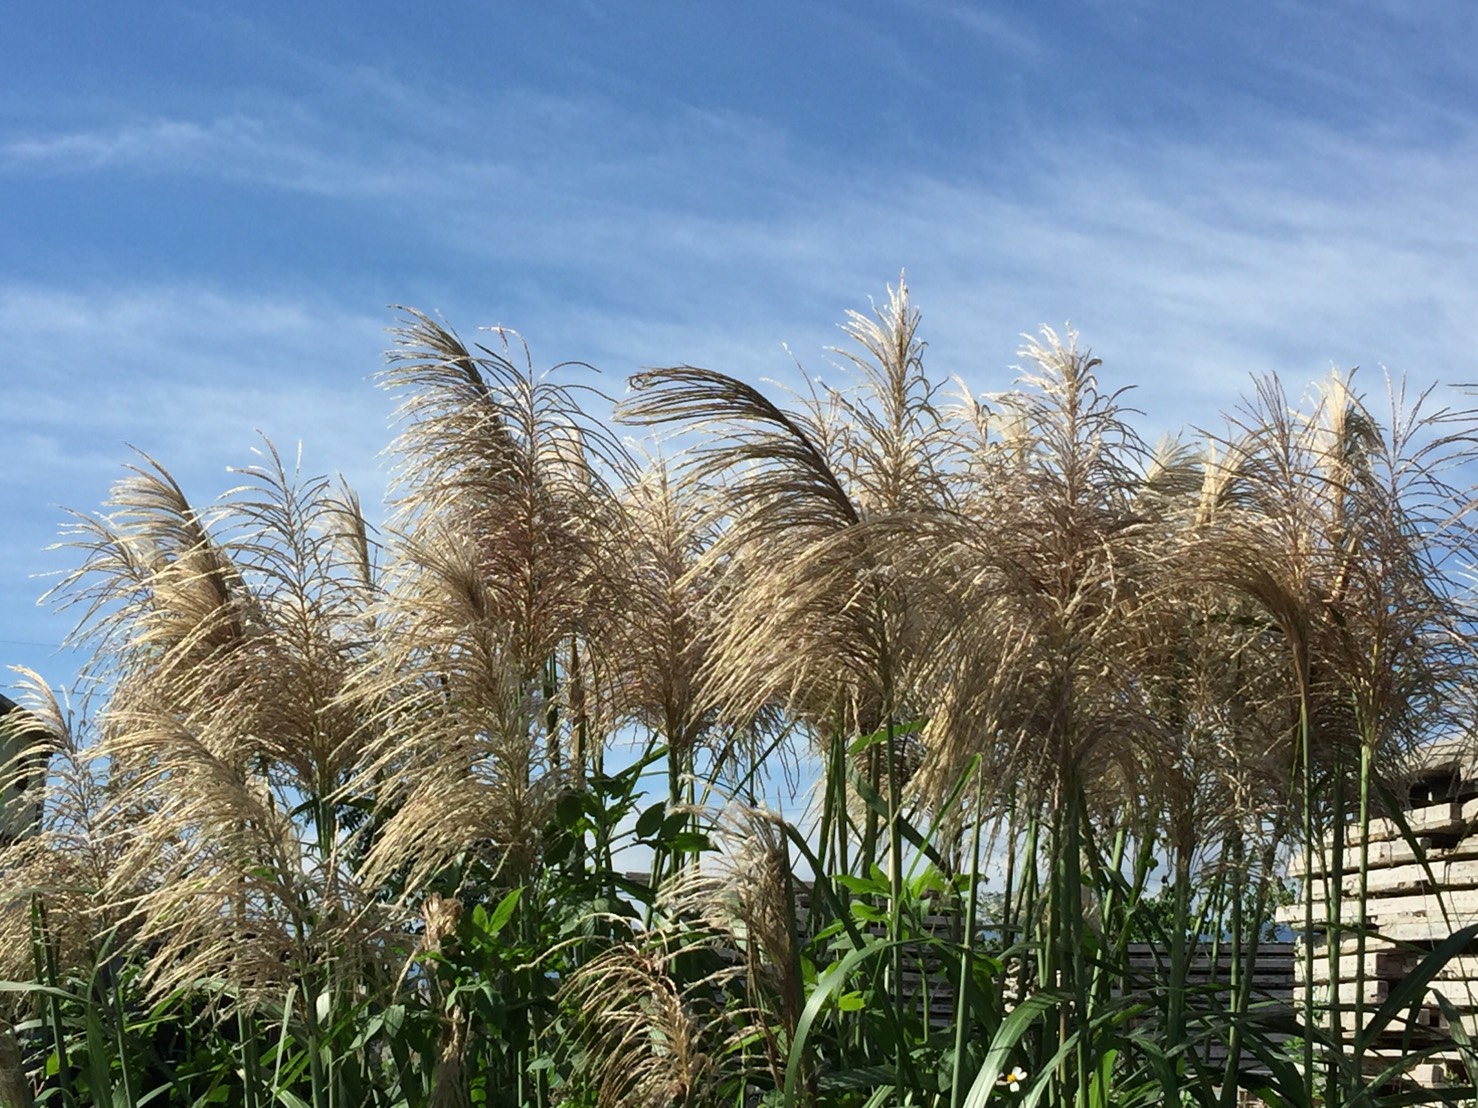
x: 184, y: 371
x: 96, y: 149
x: 1194, y: 261
x: 287, y: 151
x: 1191, y: 269
x: 993, y: 25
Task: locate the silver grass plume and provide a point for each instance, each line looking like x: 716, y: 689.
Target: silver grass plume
x: 744, y: 896
x: 811, y: 616
x: 1034, y: 575
x: 645, y: 1045
x: 63, y: 861
x: 488, y: 688
x: 227, y: 640
x: 662, y: 640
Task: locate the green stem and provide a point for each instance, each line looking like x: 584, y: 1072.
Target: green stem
x: 1075, y: 935
x: 1306, y: 760
x: 1360, y: 967
x: 246, y: 1032
x: 1334, y: 880
x: 46, y: 970
x: 960, y: 1074
x: 1179, y: 952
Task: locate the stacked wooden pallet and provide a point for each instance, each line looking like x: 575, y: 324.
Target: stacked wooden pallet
x: 1421, y: 885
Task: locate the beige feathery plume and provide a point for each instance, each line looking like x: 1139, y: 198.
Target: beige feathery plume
x: 494, y: 454
x: 461, y: 763
x: 1328, y: 528
x: 487, y: 691
x: 73, y: 842
x: 1032, y: 581
x: 811, y: 615
x: 646, y: 1047
x: 15, y: 1089
x: 51, y: 875
x: 744, y: 896
x: 654, y: 1033
x: 227, y: 641
x: 663, y: 635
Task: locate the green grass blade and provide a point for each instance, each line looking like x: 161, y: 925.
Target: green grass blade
x: 1007, y: 1036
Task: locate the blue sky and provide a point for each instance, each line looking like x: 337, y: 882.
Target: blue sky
x: 205, y: 209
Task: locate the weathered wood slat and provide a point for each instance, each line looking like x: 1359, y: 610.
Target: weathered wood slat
x: 1375, y: 992
x: 1395, y: 967
x: 1382, y: 965
x: 1430, y: 1072
x: 1460, y: 904
x: 1387, y: 854
x: 1443, y: 819
x: 1410, y: 877
x: 1409, y: 929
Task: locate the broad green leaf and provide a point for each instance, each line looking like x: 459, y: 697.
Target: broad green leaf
x: 650, y: 820
x: 689, y: 842
x: 503, y: 912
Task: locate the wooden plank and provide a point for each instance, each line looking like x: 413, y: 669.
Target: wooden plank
x: 1457, y: 907
x: 1428, y: 1021
x: 1349, y: 946
x: 1272, y: 969
x: 1461, y: 889
x: 1462, y: 995
x: 1413, y: 877
x: 1381, y: 965
x: 1415, y: 930
x: 1409, y: 929
x: 1140, y: 950
x: 1442, y: 818
x: 1430, y: 1072
x: 1462, y: 968
x: 1459, y: 904
x: 1394, y: 968
x: 1384, y: 855
x: 1376, y: 990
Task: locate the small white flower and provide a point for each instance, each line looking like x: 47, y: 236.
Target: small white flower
x: 1014, y: 1079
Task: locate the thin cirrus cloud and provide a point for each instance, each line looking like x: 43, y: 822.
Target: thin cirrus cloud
x: 294, y: 155
x: 1312, y: 250
x: 994, y: 26
x: 171, y: 141
x: 185, y: 368
x: 1310, y: 234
